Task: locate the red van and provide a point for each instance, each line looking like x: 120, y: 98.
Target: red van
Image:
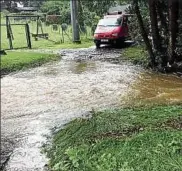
x: 112, y: 29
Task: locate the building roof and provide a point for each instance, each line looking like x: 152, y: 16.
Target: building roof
x: 26, y: 8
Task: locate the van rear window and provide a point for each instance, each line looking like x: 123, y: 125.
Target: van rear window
x: 110, y: 22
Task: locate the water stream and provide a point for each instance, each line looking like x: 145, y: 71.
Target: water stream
x: 37, y: 100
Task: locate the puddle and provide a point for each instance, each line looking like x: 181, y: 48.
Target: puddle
x: 79, y: 67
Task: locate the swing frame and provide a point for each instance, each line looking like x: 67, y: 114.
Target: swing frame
x: 10, y: 33
x: 37, y: 34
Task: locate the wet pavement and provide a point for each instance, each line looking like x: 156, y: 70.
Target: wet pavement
x: 38, y: 100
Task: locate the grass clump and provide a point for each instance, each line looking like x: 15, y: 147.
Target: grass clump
x: 136, y: 139
x: 15, y: 61
x: 136, y: 55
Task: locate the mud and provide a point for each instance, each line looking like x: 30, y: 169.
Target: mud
x: 173, y: 123
x: 125, y: 133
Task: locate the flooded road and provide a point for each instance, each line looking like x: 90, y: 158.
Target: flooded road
x: 37, y: 100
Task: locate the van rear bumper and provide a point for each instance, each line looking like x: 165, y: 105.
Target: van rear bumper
x: 109, y: 41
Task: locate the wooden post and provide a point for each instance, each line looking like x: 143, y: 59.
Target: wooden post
x: 8, y: 33
x: 27, y: 30
x: 7, y: 27
x: 62, y: 34
x: 10, y: 29
x: 41, y: 26
x: 36, y: 36
x: 37, y: 25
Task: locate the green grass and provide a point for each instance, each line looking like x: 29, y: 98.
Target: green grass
x: 15, y: 61
x: 69, y: 45
x: 54, y: 41
x: 129, y: 139
x: 136, y: 55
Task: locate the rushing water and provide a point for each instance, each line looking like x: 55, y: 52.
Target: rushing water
x: 39, y: 99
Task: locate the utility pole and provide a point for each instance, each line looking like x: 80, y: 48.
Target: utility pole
x: 74, y: 21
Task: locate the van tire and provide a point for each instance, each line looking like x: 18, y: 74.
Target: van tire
x: 120, y: 43
x: 97, y: 45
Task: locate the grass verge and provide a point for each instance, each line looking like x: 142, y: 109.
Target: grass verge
x: 129, y: 139
x: 136, y: 55
x: 15, y: 61
x: 69, y: 45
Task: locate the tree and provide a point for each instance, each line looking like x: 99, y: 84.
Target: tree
x: 144, y: 33
x: 161, y: 12
x: 9, y: 4
x: 164, y: 30
x: 154, y: 25
x: 81, y: 16
x: 173, y: 29
x: 99, y: 7
x: 58, y: 8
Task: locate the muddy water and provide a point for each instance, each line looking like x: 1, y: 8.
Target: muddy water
x: 151, y: 88
x: 37, y: 100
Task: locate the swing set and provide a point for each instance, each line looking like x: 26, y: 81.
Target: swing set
x: 37, y: 35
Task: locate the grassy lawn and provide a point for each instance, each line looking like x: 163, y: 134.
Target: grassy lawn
x: 54, y: 41
x: 136, y: 54
x: 15, y: 61
x: 129, y: 139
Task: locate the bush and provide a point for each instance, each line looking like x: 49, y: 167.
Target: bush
x: 54, y: 8
x: 52, y: 19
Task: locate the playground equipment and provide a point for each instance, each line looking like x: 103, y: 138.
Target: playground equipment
x: 42, y: 34
x: 61, y: 29
x: 35, y: 22
x: 64, y: 27
x: 27, y: 29
x: 10, y: 33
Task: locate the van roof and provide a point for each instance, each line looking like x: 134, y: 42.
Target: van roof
x: 118, y: 15
x: 113, y: 16
x: 115, y: 13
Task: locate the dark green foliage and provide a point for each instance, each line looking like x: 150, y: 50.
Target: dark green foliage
x: 134, y: 29
x: 166, y: 48
x: 61, y: 8
x: 89, y: 12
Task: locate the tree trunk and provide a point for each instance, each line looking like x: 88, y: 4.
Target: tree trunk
x: 173, y: 29
x: 160, y: 11
x: 144, y: 33
x: 154, y: 26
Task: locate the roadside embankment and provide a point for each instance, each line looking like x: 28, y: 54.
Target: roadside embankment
x: 138, y: 56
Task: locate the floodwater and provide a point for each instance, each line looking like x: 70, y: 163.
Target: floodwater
x: 152, y: 88
x: 38, y: 100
